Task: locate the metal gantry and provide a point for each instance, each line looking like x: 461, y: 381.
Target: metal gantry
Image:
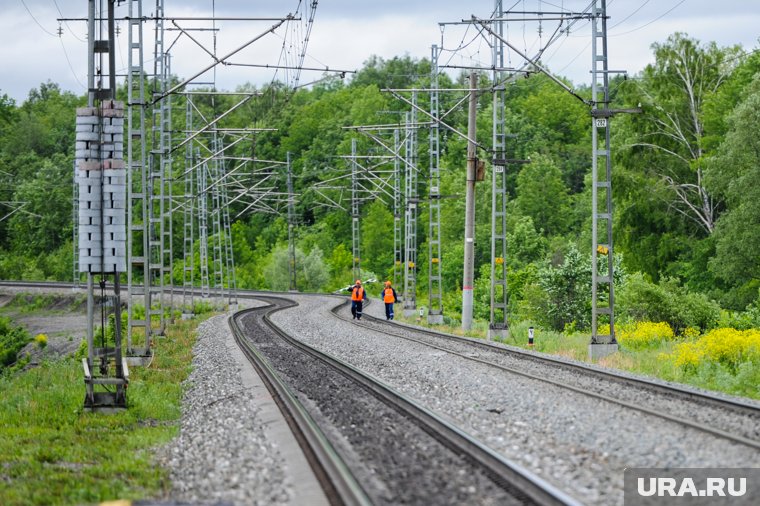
x: 435, y: 279
x: 602, y: 286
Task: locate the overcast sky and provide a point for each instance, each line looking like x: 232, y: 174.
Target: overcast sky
x: 346, y: 33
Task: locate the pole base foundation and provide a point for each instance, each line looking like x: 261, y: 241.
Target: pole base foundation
x: 435, y: 319
x: 597, y: 351
x: 498, y: 332
x: 139, y: 357
x: 410, y: 312
x: 106, y: 402
x: 187, y: 316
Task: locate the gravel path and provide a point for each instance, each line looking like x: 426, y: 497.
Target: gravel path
x: 580, y: 444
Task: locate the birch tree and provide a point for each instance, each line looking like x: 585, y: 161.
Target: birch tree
x: 673, y: 94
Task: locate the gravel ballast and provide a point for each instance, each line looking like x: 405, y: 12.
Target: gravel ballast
x: 580, y: 444
x: 233, y: 446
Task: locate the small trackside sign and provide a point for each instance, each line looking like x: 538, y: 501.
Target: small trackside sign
x: 691, y: 487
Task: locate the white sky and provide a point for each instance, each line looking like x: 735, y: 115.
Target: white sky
x: 346, y: 33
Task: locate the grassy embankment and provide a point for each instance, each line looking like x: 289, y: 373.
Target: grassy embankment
x: 725, y: 360
x: 52, y: 452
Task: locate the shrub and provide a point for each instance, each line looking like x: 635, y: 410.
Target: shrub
x: 643, y: 335
x: 641, y: 300
x: 12, y: 339
x: 41, y: 340
x: 726, y: 346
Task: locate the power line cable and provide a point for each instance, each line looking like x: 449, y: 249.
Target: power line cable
x: 649, y: 23
x: 35, y: 20
x: 68, y: 61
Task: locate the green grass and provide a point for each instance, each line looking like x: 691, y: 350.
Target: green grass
x: 745, y: 382
x: 44, y: 303
x: 54, y: 453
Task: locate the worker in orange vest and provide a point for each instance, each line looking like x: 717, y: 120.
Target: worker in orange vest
x: 389, y: 298
x: 358, y: 296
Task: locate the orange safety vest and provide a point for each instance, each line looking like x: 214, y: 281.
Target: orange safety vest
x: 357, y: 294
x: 388, y: 296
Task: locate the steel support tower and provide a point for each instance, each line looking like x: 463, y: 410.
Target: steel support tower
x: 102, y: 177
x: 398, y: 234
x: 188, y: 221
x: 229, y: 259
x: 293, y: 285
x: 435, y: 295
x: 202, y: 196
x: 355, y: 215
x: 498, y: 325
x: 157, y: 179
x: 410, y: 216
x: 602, y: 287
x: 167, y: 198
x: 216, y: 220
x: 138, y: 274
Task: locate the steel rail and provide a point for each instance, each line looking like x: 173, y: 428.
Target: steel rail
x: 331, y: 471
x: 730, y: 404
x: 514, y: 478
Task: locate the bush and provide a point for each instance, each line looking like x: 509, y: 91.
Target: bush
x: 726, y: 346
x: 643, y: 335
x: 12, y: 339
x: 641, y: 300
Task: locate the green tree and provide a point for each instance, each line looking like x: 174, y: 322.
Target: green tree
x: 313, y: 271
x: 377, y: 238
x: 542, y: 195
x: 44, y: 221
x: 568, y: 290
x: 733, y: 174
x: 673, y: 91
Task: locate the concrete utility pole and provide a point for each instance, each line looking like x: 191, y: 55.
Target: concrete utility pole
x: 469, y: 216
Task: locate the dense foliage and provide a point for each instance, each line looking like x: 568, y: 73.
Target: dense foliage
x: 686, y: 209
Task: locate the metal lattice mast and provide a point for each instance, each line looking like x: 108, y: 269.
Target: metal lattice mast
x: 216, y: 217
x: 188, y: 220
x: 293, y: 286
x: 602, y: 290
x: 498, y: 325
x: 168, y: 181
x: 435, y: 290
x: 398, y: 236
x: 229, y: 259
x: 156, y: 180
x: 137, y: 206
x: 410, y: 222
x: 355, y: 224
x: 101, y: 175
x: 75, y: 231
x: 202, y: 196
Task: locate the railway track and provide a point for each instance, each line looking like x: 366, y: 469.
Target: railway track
x: 369, y: 443
x: 730, y: 419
